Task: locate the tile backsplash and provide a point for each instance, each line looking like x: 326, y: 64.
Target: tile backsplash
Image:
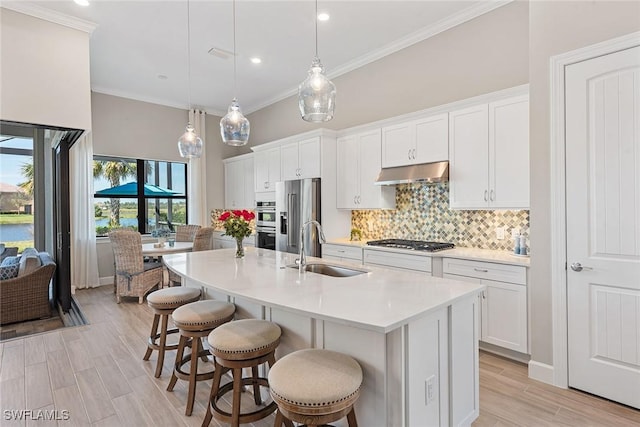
x: 422, y: 213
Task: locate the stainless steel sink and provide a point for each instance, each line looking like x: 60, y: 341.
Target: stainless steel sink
x: 331, y: 270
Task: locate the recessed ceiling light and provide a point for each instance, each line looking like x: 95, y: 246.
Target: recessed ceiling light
x: 162, y: 77
x: 82, y: 2
x: 323, y: 16
x: 256, y: 60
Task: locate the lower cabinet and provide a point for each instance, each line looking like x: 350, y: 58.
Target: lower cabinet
x: 346, y: 253
x: 226, y: 242
x: 503, y: 305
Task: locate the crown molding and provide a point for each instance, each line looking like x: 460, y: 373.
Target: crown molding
x: 50, y: 15
x: 422, y: 34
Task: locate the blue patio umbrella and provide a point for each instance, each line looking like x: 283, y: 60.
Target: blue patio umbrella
x: 131, y: 189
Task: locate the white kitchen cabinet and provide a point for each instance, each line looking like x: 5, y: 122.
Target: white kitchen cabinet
x: 238, y: 182
x: 489, y: 155
x: 221, y: 241
x: 300, y: 159
x: 424, y: 140
x: 266, y: 169
x: 358, y: 165
x: 503, y: 309
x: 347, y: 253
x: 397, y: 260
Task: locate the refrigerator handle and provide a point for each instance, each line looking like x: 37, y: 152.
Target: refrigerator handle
x: 291, y: 220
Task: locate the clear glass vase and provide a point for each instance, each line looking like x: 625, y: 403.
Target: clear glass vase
x: 239, y: 248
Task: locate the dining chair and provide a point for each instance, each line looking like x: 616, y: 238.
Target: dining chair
x: 186, y: 233
x: 134, y: 277
x: 203, y: 241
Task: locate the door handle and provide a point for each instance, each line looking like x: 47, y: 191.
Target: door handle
x: 481, y: 270
x: 485, y: 196
x: 413, y: 154
x: 491, y: 196
x: 576, y: 266
x: 409, y: 154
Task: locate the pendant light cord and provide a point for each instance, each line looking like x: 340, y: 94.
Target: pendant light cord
x: 189, y: 54
x: 235, y: 78
x: 316, y: 19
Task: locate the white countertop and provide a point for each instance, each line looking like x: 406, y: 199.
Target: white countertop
x: 379, y: 300
x: 474, y: 254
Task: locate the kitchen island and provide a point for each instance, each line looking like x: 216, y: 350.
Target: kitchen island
x: 414, y: 336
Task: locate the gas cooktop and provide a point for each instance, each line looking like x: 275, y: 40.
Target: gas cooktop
x: 415, y: 245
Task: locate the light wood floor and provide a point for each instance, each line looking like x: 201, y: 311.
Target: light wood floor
x: 96, y: 372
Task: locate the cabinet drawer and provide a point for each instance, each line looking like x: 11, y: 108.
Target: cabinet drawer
x: 485, y: 270
x: 397, y: 260
x: 349, y: 252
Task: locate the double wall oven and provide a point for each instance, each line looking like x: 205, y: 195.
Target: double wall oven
x: 266, y: 224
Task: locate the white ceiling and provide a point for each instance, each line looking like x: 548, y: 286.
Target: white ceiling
x: 135, y: 41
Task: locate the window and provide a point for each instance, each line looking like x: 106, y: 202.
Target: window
x: 144, y: 195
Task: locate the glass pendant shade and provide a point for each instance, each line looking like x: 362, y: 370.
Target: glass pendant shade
x: 234, y: 127
x: 316, y: 95
x: 190, y: 144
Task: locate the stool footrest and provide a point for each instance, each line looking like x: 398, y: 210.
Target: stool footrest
x: 248, y: 417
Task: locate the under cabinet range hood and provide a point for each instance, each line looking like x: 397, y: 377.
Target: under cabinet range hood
x: 425, y: 172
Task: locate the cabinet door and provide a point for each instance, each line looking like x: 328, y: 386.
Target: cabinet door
x: 261, y: 170
x: 398, y: 143
x: 372, y: 196
x: 509, y: 153
x: 504, y: 315
x: 309, y: 158
x: 468, y: 158
x: 234, y: 185
x: 248, y: 187
x: 347, y: 171
x: 432, y: 139
x: 289, y: 162
x: 274, y: 168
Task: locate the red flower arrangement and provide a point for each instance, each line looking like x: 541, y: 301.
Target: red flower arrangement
x: 237, y: 224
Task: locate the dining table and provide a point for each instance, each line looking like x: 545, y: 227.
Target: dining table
x: 155, y: 250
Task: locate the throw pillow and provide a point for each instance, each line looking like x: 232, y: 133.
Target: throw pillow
x: 11, y: 260
x: 30, y: 252
x: 28, y: 263
x: 9, y: 271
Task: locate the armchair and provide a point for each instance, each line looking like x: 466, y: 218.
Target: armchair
x: 186, y: 233
x: 203, y: 241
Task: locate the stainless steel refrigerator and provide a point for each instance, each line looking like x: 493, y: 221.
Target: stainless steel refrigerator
x: 296, y: 203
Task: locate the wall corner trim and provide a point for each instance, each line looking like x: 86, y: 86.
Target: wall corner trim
x: 541, y: 372
x: 51, y: 16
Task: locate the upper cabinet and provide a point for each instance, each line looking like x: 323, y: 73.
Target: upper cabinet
x: 423, y: 140
x: 358, y: 164
x: 489, y: 155
x: 266, y: 169
x: 300, y: 159
x: 238, y: 182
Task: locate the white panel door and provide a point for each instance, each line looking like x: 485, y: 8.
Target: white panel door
x: 468, y: 158
x: 309, y: 158
x: 261, y: 170
x: 432, y: 139
x: 504, y: 315
x: 248, y: 190
x: 509, y: 153
x: 398, y: 143
x: 347, y: 169
x: 289, y: 162
x: 370, y: 196
x: 274, y: 168
x: 603, y: 225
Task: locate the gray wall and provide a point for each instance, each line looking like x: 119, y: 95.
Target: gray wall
x: 483, y: 55
x: 557, y: 27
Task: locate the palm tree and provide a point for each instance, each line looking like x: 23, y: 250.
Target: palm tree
x: 27, y: 172
x: 114, y: 171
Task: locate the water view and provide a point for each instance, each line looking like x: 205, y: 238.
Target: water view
x: 16, y: 232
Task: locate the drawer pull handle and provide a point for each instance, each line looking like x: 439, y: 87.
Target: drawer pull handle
x: 481, y: 270
x: 341, y: 251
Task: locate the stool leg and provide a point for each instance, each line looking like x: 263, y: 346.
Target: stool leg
x: 237, y: 389
x: 193, y: 370
x: 204, y: 358
x: 278, y: 421
x: 217, y: 377
x: 163, y: 343
x: 256, y: 387
x: 154, y: 332
x: 179, y: 356
x: 351, y: 418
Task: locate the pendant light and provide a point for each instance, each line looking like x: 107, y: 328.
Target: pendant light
x: 317, y: 94
x: 189, y: 144
x: 234, y: 127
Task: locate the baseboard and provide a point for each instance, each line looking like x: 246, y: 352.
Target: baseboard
x: 541, y: 372
x: 106, y: 280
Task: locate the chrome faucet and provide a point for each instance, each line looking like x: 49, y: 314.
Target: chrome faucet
x: 302, y: 261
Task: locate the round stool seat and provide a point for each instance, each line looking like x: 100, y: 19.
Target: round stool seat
x: 202, y: 315
x: 242, y: 339
x: 170, y: 298
x: 315, y: 382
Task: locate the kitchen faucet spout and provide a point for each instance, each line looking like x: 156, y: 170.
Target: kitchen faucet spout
x: 302, y: 261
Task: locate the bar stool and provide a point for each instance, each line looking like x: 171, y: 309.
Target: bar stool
x: 315, y: 387
x: 194, y: 321
x: 236, y: 345
x: 163, y: 302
